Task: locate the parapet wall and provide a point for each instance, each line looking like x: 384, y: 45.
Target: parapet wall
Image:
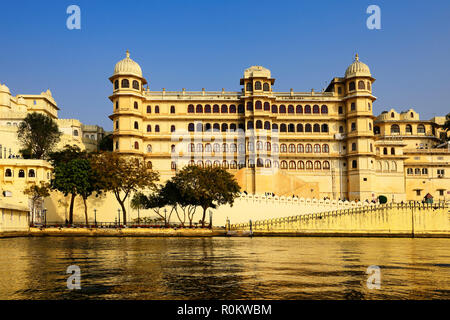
x: 408, y: 220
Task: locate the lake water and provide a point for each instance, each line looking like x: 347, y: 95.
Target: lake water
x: 224, y: 268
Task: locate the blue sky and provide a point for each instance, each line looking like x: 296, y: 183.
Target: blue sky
x: 196, y: 44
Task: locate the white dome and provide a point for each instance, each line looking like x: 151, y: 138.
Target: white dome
x: 357, y: 69
x: 128, y: 67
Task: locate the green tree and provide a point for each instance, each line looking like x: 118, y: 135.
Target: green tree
x: 37, y: 194
x: 73, y: 175
x: 122, y: 175
x: 207, y: 187
x: 106, y: 143
x: 139, y: 202
x: 38, y: 134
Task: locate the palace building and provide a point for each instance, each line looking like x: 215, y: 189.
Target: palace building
x: 308, y: 144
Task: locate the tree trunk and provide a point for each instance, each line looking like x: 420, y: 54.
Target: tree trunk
x: 204, y: 215
x: 124, y: 212
x: 85, y: 211
x: 72, y: 200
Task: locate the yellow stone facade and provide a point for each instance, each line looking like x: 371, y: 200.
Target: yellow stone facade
x: 310, y: 144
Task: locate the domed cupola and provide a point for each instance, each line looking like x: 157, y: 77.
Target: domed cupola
x: 128, y: 66
x: 357, y: 69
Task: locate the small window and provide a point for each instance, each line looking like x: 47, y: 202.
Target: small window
x: 8, y: 173
x: 351, y: 86
x: 354, y: 164
x: 135, y: 85
x: 172, y: 109
x: 257, y: 85
x: 125, y: 83
x: 136, y: 106
x: 149, y: 109
x: 266, y: 86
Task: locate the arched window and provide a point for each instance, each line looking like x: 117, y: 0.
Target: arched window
x: 75, y: 133
x: 199, y: 127
x: 224, y: 127
x: 316, y: 109
x: 283, y: 148
x: 308, y: 148
x: 395, y: 129
x: 268, y: 146
x: 249, y: 106
x: 156, y: 109
x: 172, y: 128
x: 241, y: 108
x: 341, y: 129
x: 125, y: 83
x: 135, y: 84
x: 173, y: 165
x: 258, y: 105
x: 290, y: 108
x: 257, y: 85
x: 199, y: 108
x: 266, y: 125
x: 299, y: 109
x: 149, y: 165
x: 233, y: 127
x: 31, y: 173
x: 8, y: 173
x: 361, y: 85
x: 292, y: 165
x: 232, y: 108
x: 283, y: 127
x: 274, y: 108
x: 207, y: 108
x: 136, y: 145
x: 324, y: 109
x: 324, y: 127
x: 258, y: 124
x: 300, y: 165
x: 282, y: 108
x: 309, y: 165
x: 300, y: 148
x: 351, y: 86
x: 325, y: 148
x: 216, y: 108
x: 191, y: 127
x: 149, y: 148
x: 216, y: 127
x: 408, y: 129
x: 251, y: 163
x: 233, y: 164
x: 116, y: 84
x: 21, y: 173
x: 420, y: 128
x: 136, y: 106
x: 191, y: 108
x: 224, y: 109
x: 136, y: 125
x: 149, y: 109
x: 266, y: 86
x: 274, y: 127
x: 225, y: 164
x: 308, y: 127
x: 292, y: 148
x: 376, y: 130
x: 259, y: 163
x: 316, y: 127
x: 326, y: 165
x: 392, y: 151
x: 249, y: 86
x: 317, y: 165
x: 250, y: 125
x: 307, y: 108
x: 317, y: 148
x: 291, y: 127
x: 233, y: 147
x: 208, y: 127
x: 266, y: 106
x: 299, y: 127
x: 284, y: 164
x: 268, y: 163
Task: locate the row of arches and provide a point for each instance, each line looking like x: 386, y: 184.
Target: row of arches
x: 258, y: 86
x: 262, y: 163
x: 395, y: 129
x: 417, y: 171
x: 266, y: 125
x: 31, y: 173
x: 125, y: 83
x: 299, y: 109
x: 361, y: 85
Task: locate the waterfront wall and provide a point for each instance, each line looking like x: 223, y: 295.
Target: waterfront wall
x: 245, y: 208
x: 13, y: 218
x: 383, y: 220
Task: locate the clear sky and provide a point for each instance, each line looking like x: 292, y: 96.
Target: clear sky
x: 208, y: 44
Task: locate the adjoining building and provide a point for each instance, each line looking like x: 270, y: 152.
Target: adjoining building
x: 324, y: 144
